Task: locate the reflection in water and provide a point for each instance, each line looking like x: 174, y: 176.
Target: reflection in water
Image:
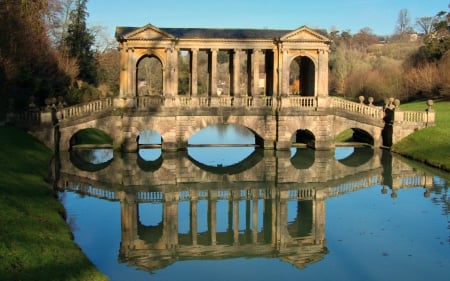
x: 150, y: 154
x: 91, y: 159
x: 221, y: 134
x: 359, y: 156
x: 220, y: 156
x: 184, y: 219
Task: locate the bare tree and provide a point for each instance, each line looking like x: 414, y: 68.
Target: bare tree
x: 58, y: 20
x: 403, y: 22
x: 425, y: 24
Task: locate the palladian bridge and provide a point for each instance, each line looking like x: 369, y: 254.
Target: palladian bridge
x: 273, y: 82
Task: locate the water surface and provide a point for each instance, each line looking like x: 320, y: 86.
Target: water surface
x: 216, y: 213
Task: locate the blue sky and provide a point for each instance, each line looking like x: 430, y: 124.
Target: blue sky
x: 380, y: 15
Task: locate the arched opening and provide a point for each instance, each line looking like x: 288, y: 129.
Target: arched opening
x: 149, y: 145
x: 91, y: 149
x: 184, y: 70
x: 150, y: 217
x: 302, y: 158
x: 304, y: 138
x: 302, y: 77
x: 355, y: 135
x: 354, y: 156
x: 300, y: 218
x: 149, y: 75
x: 90, y: 137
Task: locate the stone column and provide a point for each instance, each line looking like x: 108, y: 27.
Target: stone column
x: 213, y: 72
x: 212, y: 202
x: 123, y: 72
x: 255, y: 71
x: 235, y: 220
x: 194, y: 217
x: 235, y: 81
x: 171, y: 73
x: 322, y: 74
x: 255, y: 216
x: 284, y: 72
x: 319, y: 218
x: 129, y: 221
x: 131, y: 73
x: 171, y: 219
x: 194, y: 71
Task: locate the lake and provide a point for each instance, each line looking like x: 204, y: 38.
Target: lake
x: 242, y: 213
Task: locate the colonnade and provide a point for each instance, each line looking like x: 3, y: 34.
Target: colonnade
x: 272, y: 230
x: 268, y: 58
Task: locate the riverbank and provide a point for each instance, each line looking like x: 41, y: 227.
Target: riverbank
x: 35, y: 241
x: 430, y: 145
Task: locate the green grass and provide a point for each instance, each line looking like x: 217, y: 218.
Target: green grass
x: 430, y: 145
x: 35, y: 241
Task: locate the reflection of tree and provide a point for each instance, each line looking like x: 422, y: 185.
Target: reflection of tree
x: 241, y: 131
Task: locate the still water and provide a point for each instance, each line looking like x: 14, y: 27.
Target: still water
x: 241, y: 213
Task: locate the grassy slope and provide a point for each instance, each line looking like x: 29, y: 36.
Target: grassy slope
x: 430, y: 145
x: 35, y: 241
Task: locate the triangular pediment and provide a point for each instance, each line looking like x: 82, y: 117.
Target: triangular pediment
x: 148, y: 32
x: 305, y: 34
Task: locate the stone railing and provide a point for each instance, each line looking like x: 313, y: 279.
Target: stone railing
x: 24, y: 119
x: 144, y: 102
x: 85, y: 109
x: 426, y: 117
x: 375, y: 112
x: 294, y: 102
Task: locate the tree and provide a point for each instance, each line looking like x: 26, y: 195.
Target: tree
x: 79, y: 42
x: 403, y: 22
x: 364, y: 38
x: 28, y: 65
x: 425, y: 24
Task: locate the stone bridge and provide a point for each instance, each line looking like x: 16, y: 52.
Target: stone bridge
x: 274, y: 121
x: 177, y: 81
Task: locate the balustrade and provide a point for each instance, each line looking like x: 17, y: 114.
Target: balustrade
x: 85, y: 108
x: 414, y: 116
x: 359, y: 108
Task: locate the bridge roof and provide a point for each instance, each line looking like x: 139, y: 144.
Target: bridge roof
x: 214, y: 33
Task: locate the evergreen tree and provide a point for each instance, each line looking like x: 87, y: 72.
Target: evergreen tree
x: 79, y: 42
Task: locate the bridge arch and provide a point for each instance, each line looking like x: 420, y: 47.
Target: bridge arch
x: 366, y: 133
x: 111, y: 125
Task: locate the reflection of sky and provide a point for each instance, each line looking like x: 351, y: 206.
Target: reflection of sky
x: 407, y: 238
x: 343, y: 152
x: 150, y: 154
x: 220, y: 156
x: 339, y: 152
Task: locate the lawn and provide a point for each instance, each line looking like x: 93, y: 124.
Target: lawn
x: 35, y: 241
x: 430, y: 145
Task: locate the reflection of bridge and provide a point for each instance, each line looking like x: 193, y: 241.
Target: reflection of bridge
x: 264, y: 61
x: 256, y: 204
